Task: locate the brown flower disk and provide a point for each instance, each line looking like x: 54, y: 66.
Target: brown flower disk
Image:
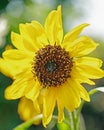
x: 52, y: 65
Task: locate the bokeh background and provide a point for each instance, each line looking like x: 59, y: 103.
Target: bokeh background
x: 74, y: 12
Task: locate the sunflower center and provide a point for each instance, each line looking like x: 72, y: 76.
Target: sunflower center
x: 52, y: 65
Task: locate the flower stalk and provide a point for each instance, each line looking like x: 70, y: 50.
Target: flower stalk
x: 28, y: 123
x: 74, y: 121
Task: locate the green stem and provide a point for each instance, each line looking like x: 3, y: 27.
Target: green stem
x: 70, y: 120
x: 78, y: 114
x: 79, y: 110
x: 75, y: 117
x: 75, y: 122
x: 93, y: 91
x: 28, y: 123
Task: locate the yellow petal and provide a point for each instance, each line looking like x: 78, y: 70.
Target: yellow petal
x: 76, y: 74
x: 18, y: 60
x: 17, y: 40
x: 16, y: 90
x: 90, y: 61
x: 22, y: 82
x: 79, y: 90
x: 53, y: 27
x: 60, y: 106
x: 41, y: 36
x: 81, y: 46
x: 67, y: 97
x: 33, y: 93
x: 26, y: 109
x: 9, y: 69
x: 14, y: 54
x: 91, y: 72
x: 73, y: 34
x: 49, y: 102
x: 75, y: 93
x: 35, y: 35
x: 86, y: 68
x: 27, y: 31
x: 83, y: 93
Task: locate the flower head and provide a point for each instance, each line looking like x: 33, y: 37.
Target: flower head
x: 49, y: 68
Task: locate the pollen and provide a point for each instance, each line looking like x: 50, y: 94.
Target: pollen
x: 52, y: 65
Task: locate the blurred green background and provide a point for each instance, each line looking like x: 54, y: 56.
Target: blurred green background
x: 13, y: 12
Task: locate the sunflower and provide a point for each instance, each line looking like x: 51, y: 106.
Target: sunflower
x: 46, y: 66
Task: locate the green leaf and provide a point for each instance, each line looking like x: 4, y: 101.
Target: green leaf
x: 63, y: 126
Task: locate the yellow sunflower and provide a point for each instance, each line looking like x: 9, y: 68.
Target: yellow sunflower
x: 46, y: 65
